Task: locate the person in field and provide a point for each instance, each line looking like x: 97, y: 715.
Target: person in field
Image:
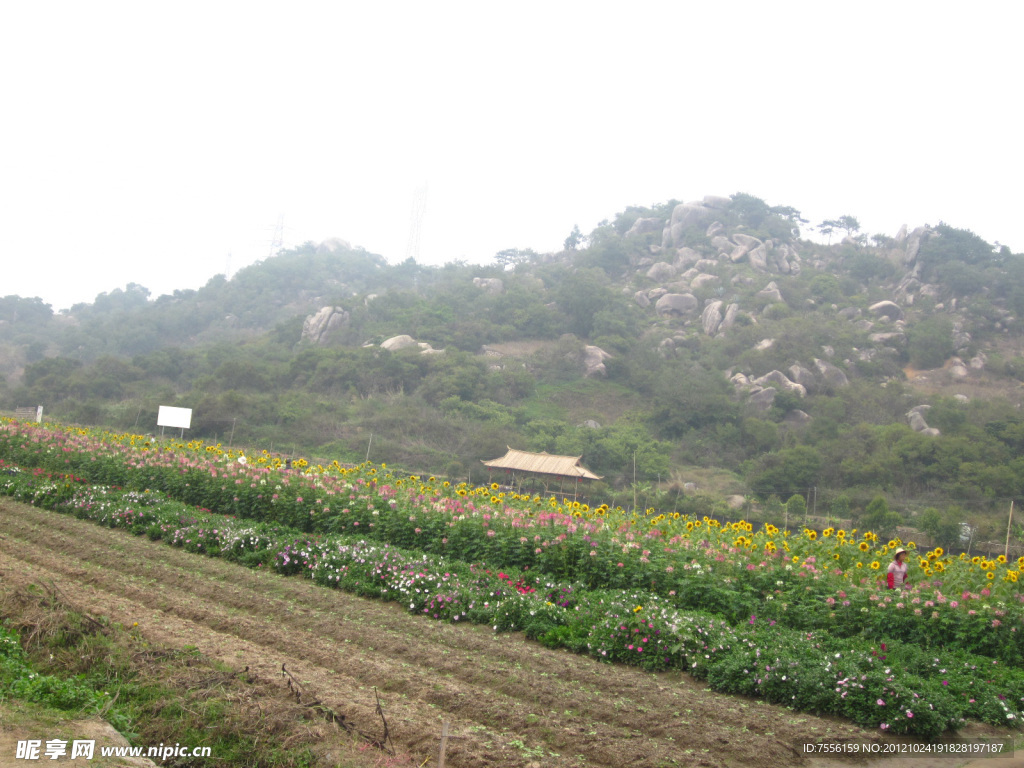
x: 897, y: 575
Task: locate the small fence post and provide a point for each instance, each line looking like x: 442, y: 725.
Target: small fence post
x: 444, y: 744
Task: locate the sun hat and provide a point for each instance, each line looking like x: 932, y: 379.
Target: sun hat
x: 897, y: 552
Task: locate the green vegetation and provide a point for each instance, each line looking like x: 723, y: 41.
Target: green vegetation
x: 513, y: 368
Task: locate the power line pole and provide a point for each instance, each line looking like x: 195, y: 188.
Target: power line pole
x: 277, y: 241
x: 419, y: 209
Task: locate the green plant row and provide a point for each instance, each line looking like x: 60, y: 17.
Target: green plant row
x: 376, y: 508
x: 905, y: 690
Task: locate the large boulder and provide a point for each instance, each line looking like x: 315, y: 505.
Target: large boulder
x: 759, y: 258
x: 640, y: 297
x: 895, y: 337
x: 711, y: 317
x: 593, y: 361
x: 833, y: 376
x: 686, y: 257
x: 661, y: 271
x: 684, y: 216
x: 914, y: 241
x: 703, y: 279
x: 645, y: 226
x: 676, y: 304
x: 489, y: 284
x: 797, y: 418
x: 763, y: 400
x: 889, y: 309
x: 771, y: 293
x: 396, y: 343
x: 731, y: 312
x: 779, y: 259
x: 722, y: 244
x: 747, y: 241
x: 780, y: 381
x: 318, y: 326
x: 717, y: 202
x: 800, y: 375
x: 333, y: 245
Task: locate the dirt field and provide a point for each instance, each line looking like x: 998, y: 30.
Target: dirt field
x: 511, y: 703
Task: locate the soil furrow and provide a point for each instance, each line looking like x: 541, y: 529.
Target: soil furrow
x: 511, y: 702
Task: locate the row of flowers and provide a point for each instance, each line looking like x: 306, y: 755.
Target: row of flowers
x: 809, y: 580
x: 901, y: 687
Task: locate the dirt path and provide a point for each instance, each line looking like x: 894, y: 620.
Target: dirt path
x: 511, y: 703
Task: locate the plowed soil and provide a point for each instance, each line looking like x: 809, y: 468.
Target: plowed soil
x: 510, y: 702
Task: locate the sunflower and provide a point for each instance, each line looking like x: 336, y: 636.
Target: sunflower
x: 494, y: 486
x: 860, y: 565
x: 990, y: 576
x: 863, y: 546
x: 795, y: 558
x: 1001, y: 559
x: 875, y: 565
x: 835, y: 556
x: 812, y: 535
x: 976, y: 560
x: 828, y: 532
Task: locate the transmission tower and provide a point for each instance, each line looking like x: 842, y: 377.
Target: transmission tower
x: 277, y: 241
x: 419, y: 208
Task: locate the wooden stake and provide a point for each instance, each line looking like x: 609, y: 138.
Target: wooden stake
x: 1006, y: 551
x: 444, y: 744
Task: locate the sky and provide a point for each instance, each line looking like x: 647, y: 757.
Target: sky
x: 162, y: 143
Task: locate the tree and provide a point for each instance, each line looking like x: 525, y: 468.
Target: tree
x: 930, y: 342
x: 575, y: 238
x: 751, y: 211
x: 944, y: 528
x: 848, y: 224
x: 796, y: 508
x: 840, y: 507
x: 510, y: 258
x: 879, y: 519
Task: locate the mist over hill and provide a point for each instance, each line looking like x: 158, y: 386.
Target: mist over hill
x: 708, y: 342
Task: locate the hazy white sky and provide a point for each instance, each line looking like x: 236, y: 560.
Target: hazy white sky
x: 145, y: 142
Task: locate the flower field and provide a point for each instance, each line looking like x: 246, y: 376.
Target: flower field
x: 795, y: 618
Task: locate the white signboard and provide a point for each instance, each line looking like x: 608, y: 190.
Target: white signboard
x: 180, y: 418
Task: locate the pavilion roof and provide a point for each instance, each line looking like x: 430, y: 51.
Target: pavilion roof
x: 542, y: 464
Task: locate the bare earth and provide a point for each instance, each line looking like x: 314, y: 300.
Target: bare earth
x: 511, y: 703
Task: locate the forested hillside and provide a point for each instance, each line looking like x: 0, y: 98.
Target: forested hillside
x: 707, y: 342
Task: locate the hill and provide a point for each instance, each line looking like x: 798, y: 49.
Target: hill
x: 708, y: 342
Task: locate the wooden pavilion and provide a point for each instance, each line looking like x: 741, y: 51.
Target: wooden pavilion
x: 545, y: 466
